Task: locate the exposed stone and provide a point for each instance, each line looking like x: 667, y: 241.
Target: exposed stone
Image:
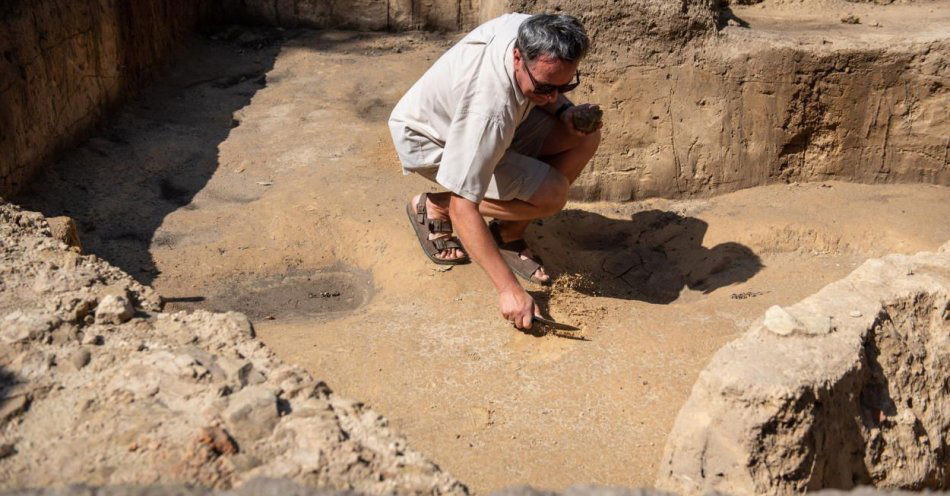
x: 72, y: 306
x: 252, y: 413
x: 240, y: 371
x: 80, y: 358
x: 64, y: 229
x: 27, y: 325
x: 114, y: 309
x: 790, y: 406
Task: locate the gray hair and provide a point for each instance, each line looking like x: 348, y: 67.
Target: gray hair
x: 552, y: 35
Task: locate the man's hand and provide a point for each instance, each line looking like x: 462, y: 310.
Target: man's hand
x: 518, y: 307
x: 567, y: 117
x: 515, y: 303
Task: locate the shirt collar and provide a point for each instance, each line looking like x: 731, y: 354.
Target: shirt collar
x: 510, y: 70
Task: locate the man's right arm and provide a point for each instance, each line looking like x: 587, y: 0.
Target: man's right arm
x: 515, y: 303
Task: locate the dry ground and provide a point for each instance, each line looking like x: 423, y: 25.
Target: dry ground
x: 292, y: 211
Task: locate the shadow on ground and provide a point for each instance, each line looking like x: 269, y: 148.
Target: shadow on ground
x: 652, y: 257
x: 158, y: 152
x: 11, y: 402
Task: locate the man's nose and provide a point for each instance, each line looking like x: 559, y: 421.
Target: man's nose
x: 552, y: 97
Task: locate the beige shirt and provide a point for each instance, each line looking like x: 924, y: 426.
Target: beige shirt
x: 461, y: 116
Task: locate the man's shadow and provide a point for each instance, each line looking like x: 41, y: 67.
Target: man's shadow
x: 652, y: 257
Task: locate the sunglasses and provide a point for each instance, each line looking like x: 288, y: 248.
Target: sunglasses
x: 547, y: 89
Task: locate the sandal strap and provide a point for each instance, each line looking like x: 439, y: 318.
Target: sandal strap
x: 438, y: 226
x: 443, y: 244
x: 421, y: 209
x: 435, y: 226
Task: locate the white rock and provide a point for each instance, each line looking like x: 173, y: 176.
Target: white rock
x: 113, y: 309
x: 779, y: 321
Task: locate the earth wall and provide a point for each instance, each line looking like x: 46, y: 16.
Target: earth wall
x: 693, y: 106
x: 846, y: 388
x: 728, y: 118
x: 65, y: 63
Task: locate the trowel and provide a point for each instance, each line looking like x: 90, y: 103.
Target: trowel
x: 554, y: 325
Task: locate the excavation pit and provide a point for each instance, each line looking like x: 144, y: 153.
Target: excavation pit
x: 265, y: 182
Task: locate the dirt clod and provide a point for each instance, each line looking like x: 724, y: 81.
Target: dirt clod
x: 586, y: 118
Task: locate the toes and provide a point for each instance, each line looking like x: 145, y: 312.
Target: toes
x: 450, y: 254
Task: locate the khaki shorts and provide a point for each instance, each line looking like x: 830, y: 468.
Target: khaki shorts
x: 519, y: 173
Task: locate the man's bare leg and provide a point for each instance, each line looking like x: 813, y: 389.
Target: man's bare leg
x: 567, y: 154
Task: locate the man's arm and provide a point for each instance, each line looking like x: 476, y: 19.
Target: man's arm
x: 515, y: 303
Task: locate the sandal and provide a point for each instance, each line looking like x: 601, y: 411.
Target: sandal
x: 424, y: 226
x: 511, y: 253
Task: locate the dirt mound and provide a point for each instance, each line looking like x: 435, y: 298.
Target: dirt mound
x: 845, y: 388
x: 97, y: 386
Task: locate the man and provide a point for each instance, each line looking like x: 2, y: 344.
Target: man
x: 490, y: 123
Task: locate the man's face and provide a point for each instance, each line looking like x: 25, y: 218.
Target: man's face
x: 544, y: 70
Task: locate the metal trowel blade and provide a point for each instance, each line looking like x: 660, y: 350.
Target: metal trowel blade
x: 555, y: 325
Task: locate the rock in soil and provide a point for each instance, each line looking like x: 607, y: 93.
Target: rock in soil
x: 586, y: 118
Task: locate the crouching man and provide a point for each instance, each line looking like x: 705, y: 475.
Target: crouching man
x: 489, y: 122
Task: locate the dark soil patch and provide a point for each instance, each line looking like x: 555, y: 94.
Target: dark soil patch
x: 296, y: 294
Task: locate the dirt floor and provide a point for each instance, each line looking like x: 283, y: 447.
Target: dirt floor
x: 260, y: 178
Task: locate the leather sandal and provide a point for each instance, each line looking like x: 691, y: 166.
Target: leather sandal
x: 511, y: 253
x: 423, y: 226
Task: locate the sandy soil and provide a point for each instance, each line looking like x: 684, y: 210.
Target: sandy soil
x: 262, y: 180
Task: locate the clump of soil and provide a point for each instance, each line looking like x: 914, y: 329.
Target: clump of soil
x: 587, y: 117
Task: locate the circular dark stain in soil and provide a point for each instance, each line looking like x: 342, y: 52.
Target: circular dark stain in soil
x: 326, y: 293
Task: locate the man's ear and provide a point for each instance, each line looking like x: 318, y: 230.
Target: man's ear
x: 517, y: 54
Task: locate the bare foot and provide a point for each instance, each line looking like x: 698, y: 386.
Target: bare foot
x: 437, y: 208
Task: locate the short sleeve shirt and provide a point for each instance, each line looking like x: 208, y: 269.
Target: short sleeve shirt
x: 466, y: 106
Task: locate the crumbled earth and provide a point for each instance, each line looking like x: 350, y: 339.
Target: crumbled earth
x: 846, y: 387
x: 97, y: 391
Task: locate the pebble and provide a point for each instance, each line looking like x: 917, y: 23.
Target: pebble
x: 855, y: 313
x: 80, y: 358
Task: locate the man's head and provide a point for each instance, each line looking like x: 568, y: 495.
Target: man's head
x: 547, y: 52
